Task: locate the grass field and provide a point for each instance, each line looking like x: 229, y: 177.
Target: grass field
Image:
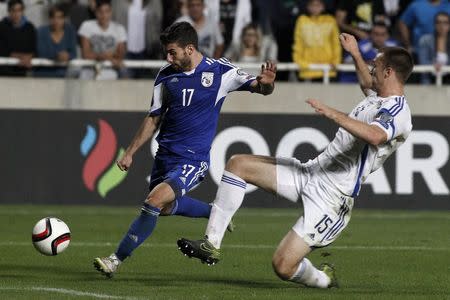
x: 381, y: 255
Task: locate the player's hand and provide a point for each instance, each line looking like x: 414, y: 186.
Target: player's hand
x: 320, y: 108
x: 125, y: 162
x: 268, y: 73
x: 349, y: 43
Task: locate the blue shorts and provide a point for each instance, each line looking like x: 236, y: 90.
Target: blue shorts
x: 182, y: 175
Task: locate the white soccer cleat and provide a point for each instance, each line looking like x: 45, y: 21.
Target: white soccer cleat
x: 106, y: 265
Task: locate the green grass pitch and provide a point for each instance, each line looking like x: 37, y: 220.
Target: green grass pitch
x: 381, y: 255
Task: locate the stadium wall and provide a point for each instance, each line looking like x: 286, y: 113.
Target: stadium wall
x: 61, y: 139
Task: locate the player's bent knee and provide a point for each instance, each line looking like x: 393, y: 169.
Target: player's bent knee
x: 237, y: 165
x: 167, y: 209
x: 155, y: 202
x: 282, y: 267
x: 234, y: 163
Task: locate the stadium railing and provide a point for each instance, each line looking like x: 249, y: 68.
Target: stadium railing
x: 156, y: 64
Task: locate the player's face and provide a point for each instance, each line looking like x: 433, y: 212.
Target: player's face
x: 380, y: 72
x: 377, y: 71
x: 178, y: 57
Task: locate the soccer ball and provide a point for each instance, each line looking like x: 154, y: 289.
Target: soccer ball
x: 51, y: 236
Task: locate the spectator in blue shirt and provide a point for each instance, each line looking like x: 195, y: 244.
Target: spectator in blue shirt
x: 56, y: 41
x: 418, y: 19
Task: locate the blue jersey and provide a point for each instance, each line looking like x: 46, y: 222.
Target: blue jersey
x: 189, y: 104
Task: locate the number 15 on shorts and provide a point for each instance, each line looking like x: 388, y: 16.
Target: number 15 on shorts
x: 323, y: 224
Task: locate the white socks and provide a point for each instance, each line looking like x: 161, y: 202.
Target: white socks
x: 308, y: 275
x: 229, y: 198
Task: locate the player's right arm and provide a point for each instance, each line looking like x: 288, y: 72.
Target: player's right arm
x: 350, y: 44
x: 370, y: 133
x: 144, y: 133
x: 149, y: 125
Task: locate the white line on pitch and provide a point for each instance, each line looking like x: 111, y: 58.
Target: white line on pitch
x: 240, y: 246
x: 66, y: 292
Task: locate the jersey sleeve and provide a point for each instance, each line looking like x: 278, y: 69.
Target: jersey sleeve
x: 235, y: 79
x: 157, y: 97
x: 394, y: 118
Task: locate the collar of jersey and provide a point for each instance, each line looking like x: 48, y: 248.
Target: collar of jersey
x: 389, y: 97
x: 201, y: 66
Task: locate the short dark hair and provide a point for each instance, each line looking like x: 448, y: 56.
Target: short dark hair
x: 400, y: 60
x: 181, y: 33
x: 99, y: 3
x: 54, y: 9
x: 12, y: 3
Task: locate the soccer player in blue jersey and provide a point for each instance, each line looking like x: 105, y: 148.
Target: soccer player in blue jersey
x: 187, y: 98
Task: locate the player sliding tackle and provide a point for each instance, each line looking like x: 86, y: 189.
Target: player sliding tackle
x: 187, y: 98
x: 327, y: 184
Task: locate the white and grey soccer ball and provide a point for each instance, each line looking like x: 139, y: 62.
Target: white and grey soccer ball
x: 51, y: 236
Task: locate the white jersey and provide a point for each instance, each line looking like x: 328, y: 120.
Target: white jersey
x: 347, y: 161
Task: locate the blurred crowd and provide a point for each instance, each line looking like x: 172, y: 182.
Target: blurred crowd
x: 302, y: 31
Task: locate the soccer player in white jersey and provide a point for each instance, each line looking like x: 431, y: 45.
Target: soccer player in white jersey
x: 187, y: 97
x: 328, y: 184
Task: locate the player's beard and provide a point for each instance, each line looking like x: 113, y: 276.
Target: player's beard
x: 184, y: 64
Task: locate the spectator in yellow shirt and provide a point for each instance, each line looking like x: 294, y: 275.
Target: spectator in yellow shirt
x: 316, y: 41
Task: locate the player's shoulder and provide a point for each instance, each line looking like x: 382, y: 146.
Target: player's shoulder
x: 164, y: 72
x: 219, y: 66
x: 225, y: 64
x: 396, y: 105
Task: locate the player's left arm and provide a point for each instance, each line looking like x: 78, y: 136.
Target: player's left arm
x: 372, y: 134
x: 265, y: 82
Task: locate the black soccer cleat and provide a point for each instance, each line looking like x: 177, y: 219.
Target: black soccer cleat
x: 201, y: 249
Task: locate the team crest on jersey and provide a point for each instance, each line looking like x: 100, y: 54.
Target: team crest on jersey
x: 385, y: 118
x: 207, y: 79
x: 241, y: 72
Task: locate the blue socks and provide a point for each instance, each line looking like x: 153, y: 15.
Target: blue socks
x: 190, y: 207
x: 143, y: 226
x: 139, y: 231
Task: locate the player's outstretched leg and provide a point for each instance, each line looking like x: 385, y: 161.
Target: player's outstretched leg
x: 201, y: 249
x: 140, y: 229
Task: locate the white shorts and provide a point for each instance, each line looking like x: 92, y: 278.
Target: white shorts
x: 326, y: 210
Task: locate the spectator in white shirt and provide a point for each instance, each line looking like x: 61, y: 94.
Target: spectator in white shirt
x: 210, y: 39
x: 142, y: 19
x: 103, y: 40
